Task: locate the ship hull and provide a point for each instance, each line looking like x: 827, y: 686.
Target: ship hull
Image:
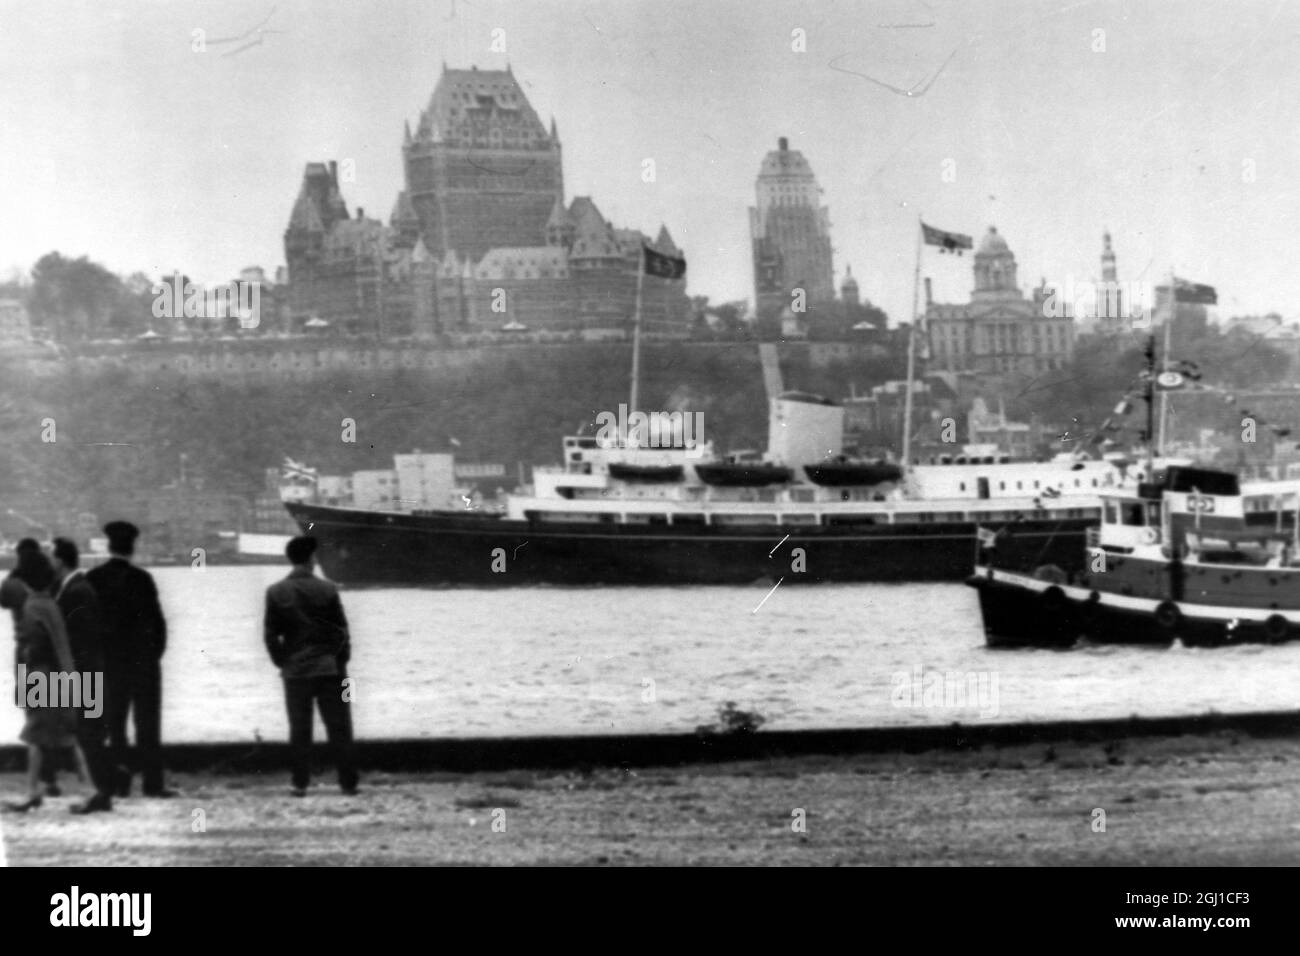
x: 450, y: 549
x: 1021, y: 612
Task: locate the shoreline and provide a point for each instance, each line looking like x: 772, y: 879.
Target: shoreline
x: 1215, y: 798
x: 559, y: 752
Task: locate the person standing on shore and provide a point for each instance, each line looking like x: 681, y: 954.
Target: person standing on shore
x: 81, y: 615
x: 306, y: 634
x: 13, y: 594
x: 135, y: 637
x: 50, y: 723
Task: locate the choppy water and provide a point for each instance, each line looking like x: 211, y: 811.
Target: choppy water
x: 632, y: 660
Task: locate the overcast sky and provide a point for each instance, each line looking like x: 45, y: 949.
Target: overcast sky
x: 1176, y: 125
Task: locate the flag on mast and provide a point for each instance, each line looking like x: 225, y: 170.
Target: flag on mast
x: 665, y: 267
x: 946, y: 241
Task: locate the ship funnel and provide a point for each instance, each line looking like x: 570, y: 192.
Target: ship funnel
x: 804, y: 429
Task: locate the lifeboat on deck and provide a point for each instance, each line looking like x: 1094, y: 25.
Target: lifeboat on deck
x: 840, y: 474
x: 743, y: 474
x: 645, y: 474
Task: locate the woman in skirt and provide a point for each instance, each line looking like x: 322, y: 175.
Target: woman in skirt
x: 43, y: 649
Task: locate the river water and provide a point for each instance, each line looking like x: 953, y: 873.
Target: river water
x: 457, y: 663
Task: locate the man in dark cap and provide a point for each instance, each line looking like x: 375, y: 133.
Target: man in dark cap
x: 134, y: 638
x: 81, y: 615
x: 306, y: 634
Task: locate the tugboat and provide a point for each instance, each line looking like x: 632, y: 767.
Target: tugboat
x: 1177, y: 558
x: 1173, y: 560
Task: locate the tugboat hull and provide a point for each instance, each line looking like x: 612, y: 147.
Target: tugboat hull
x: 1020, y: 610
x: 452, y: 548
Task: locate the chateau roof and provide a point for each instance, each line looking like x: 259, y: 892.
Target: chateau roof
x: 631, y: 240
x: 523, y: 262
x: 559, y: 215
x: 356, y: 235
x: 319, y: 204
x: 664, y: 242
x: 304, y: 216
x: 593, y: 238
x: 466, y: 100
x: 403, y: 210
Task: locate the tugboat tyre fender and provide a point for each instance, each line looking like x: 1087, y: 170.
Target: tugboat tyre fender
x: 1054, y: 600
x: 1168, y: 616
x: 1276, y: 627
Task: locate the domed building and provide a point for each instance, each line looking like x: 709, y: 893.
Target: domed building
x: 998, y: 331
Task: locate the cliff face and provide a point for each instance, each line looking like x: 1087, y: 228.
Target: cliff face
x: 122, y: 425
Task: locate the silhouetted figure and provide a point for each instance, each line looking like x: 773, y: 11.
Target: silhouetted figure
x: 82, y: 617
x: 13, y: 594
x: 307, y: 637
x: 135, y: 636
x: 44, y: 652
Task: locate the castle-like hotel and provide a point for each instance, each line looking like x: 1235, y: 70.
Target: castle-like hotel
x: 479, y: 240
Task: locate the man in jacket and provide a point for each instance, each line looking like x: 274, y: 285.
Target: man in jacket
x: 306, y: 634
x: 81, y: 615
x: 135, y: 636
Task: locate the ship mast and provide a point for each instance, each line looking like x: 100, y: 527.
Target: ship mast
x: 1169, y: 325
x: 636, y: 333
x: 1148, y: 396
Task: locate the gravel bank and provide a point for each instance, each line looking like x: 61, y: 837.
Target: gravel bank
x: 1221, y: 799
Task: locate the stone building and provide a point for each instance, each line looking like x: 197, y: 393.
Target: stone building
x: 790, y: 233
x: 15, y: 325
x: 998, y: 331
x: 480, y: 238
x: 481, y: 171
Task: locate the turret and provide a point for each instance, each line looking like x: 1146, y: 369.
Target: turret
x: 849, y: 287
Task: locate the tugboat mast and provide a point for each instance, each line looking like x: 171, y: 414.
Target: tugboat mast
x: 1148, y: 396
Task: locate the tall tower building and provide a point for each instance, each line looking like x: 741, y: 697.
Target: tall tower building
x: 1108, y: 273
x: 481, y: 170
x: 790, y: 231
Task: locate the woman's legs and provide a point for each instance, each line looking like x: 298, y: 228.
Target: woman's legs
x: 34, y: 760
x: 83, y: 768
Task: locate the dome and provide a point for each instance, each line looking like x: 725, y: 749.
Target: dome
x: 849, y: 282
x: 992, y: 244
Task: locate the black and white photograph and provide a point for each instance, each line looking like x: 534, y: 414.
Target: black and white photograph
x: 652, y: 434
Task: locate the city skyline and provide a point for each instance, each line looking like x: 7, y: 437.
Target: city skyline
x: 1012, y: 108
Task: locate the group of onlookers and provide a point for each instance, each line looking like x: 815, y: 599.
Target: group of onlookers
x: 104, y: 628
